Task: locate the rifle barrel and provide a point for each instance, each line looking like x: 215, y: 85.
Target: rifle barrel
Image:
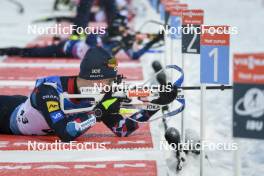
x: 221, y: 87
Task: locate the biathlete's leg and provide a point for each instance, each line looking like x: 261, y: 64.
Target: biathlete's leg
x: 48, y: 51
x: 83, y: 13
x: 7, y: 106
x: 110, y: 9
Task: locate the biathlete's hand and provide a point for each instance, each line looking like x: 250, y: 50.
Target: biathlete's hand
x: 108, y: 105
x: 166, y: 97
x: 159, y: 37
x: 111, y: 106
x: 75, y: 37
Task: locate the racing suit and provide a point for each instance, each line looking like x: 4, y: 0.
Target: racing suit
x: 41, y: 114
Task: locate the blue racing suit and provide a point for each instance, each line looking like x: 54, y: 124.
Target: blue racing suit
x: 41, y: 113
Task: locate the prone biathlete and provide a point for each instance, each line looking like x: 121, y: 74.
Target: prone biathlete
x: 41, y: 113
x: 81, y: 20
x: 116, y: 39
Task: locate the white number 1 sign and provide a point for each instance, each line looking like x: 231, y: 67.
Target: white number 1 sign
x: 214, y: 54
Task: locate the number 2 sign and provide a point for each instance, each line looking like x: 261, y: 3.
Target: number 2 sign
x: 191, y: 20
x: 215, y: 41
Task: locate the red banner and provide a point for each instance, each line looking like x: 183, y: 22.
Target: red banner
x: 249, y: 68
x: 102, y: 168
x: 215, y: 36
x: 177, y: 9
x: 195, y: 17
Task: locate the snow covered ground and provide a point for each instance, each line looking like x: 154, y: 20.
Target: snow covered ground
x: 246, y: 15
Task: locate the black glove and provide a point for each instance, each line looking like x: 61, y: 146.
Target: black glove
x: 159, y: 37
x: 166, y: 97
x: 108, y: 105
x: 156, y: 39
x: 128, y: 41
x: 115, y: 25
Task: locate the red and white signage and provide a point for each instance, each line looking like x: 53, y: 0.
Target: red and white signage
x: 249, y: 68
x: 195, y: 17
x: 215, y: 36
x: 177, y: 9
x: 102, y: 168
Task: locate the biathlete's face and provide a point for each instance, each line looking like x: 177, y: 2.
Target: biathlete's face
x: 104, y: 82
x: 92, y: 83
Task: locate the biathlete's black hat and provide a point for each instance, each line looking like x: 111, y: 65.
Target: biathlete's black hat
x: 98, y: 64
